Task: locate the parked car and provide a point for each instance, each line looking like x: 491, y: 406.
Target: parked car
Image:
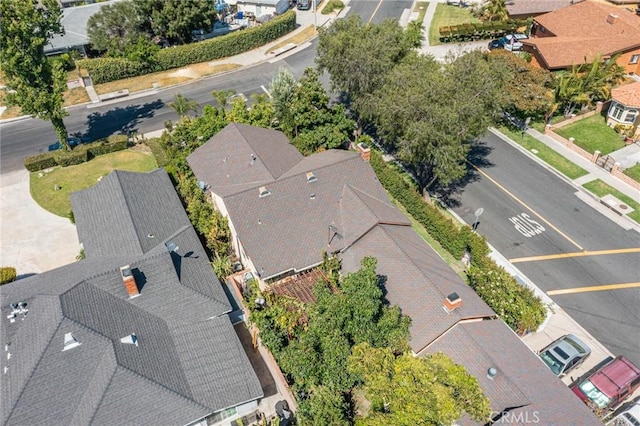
x: 303, y: 4
x: 72, y: 141
x: 565, y: 354
x: 629, y: 417
x: 610, y: 385
x: 512, y: 42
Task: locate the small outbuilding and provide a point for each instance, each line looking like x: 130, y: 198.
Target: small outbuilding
x: 262, y: 7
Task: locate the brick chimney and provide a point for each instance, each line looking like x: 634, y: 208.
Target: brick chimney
x: 612, y: 18
x: 129, y: 281
x: 364, y: 150
x: 452, y: 302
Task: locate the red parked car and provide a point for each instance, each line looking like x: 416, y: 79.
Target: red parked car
x: 610, y: 385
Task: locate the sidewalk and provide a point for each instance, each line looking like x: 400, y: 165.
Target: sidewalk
x: 595, y: 172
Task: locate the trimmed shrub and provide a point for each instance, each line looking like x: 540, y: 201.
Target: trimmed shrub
x: 7, y: 274
x: 158, y: 151
x: 105, y: 146
x: 80, y: 154
x: 332, y: 5
x: 515, y: 304
x: 103, y: 70
x: 71, y: 158
x: 40, y: 162
x: 479, y: 31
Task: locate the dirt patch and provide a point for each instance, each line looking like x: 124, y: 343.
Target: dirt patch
x: 185, y: 72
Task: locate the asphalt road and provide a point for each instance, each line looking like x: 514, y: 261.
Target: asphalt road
x: 143, y: 114
x: 530, y: 211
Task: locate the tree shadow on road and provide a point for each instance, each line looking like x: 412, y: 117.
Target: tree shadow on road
x: 120, y: 120
x: 478, y: 157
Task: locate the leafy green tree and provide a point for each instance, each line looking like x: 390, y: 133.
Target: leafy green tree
x: 183, y: 105
x: 209, y: 123
x: 528, y: 91
x: 238, y: 112
x: 430, y: 116
x: 176, y: 19
x: 282, y: 90
x: 34, y: 82
x: 262, y: 112
x: 323, y: 407
x: 115, y: 28
x: 359, y: 57
x: 408, y: 390
x: 313, y: 124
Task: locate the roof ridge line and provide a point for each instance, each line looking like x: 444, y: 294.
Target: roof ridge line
x: 253, y: 148
x: 160, y: 385
x: 128, y: 209
x: 35, y: 367
x: 112, y: 351
x: 280, y: 179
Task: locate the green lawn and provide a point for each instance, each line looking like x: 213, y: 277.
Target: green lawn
x: 546, y: 154
x: 633, y: 172
x: 593, y: 134
x: 421, y: 8
x: 601, y: 189
x: 446, y: 16
x: 75, y: 178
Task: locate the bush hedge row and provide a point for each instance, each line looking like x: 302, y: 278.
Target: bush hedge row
x: 80, y: 154
x: 103, y: 70
x: 7, y: 274
x: 515, y: 304
x: 479, y: 31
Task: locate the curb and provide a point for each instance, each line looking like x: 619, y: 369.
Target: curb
x: 628, y: 223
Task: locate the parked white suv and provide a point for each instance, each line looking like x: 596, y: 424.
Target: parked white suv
x: 511, y: 42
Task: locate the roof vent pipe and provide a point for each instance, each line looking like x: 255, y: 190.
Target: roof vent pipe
x: 492, y: 373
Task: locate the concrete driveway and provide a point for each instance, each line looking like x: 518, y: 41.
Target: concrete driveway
x: 32, y: 240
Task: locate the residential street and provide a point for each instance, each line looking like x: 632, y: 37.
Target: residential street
x: 528, y: 212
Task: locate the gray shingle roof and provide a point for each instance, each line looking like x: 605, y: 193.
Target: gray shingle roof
x: 188, y: 362
x: 522, y: 380
x: 119, y: 214
x: 272, y: 229
x: 417, y: 280
x: 225, y: 162
x: 74, y: 20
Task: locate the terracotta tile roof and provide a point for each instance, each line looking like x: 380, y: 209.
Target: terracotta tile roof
x: 573, y: 45
x: 628, y: 95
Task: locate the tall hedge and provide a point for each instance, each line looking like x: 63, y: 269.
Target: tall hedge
x: 103, y: 70
x: 518, y: 307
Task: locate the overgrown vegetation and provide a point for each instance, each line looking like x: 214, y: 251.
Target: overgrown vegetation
x: 349, y: 338
x: 518, y: 307
x: 332, y: 6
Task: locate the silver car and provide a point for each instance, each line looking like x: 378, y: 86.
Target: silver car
x: 565, y: 354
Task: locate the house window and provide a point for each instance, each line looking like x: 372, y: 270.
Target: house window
x: 616, y: 112
x: 634, y: 59
x: 631, y: 116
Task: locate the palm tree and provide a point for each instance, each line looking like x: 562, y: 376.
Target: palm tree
x: 182, y: 105
x: 494, y: 10
x: 223, y: 97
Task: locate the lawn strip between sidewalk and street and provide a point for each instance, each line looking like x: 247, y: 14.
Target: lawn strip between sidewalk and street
x: 546, y: 154
x: 601, y: 189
